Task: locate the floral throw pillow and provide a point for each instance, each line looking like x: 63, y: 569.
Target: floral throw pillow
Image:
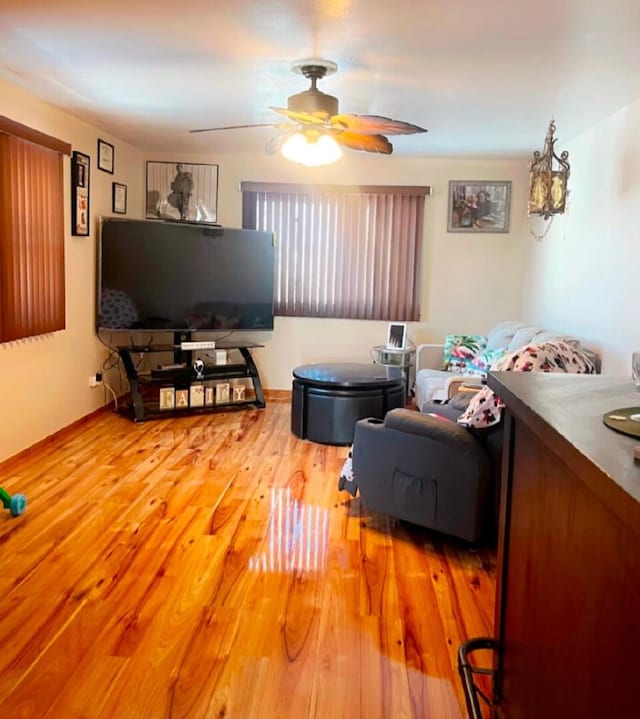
x: 485, y: 407
x: 483, y: 362
x: 460, y: 350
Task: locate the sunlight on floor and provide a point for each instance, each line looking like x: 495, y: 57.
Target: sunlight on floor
x: 298, y: 537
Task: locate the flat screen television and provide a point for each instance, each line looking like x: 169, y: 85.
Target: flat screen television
x: 183, y: 277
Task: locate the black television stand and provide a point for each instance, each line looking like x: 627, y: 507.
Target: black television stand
x: 177, y: 390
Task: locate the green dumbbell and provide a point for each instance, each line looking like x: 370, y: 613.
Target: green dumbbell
x: 16, y: 504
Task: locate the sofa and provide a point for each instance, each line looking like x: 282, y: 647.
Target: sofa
x: 462, y: 360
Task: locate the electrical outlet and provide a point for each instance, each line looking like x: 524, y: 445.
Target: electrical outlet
x: 95, y: 380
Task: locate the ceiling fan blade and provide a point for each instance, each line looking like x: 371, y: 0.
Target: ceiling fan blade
x: 237, y: 127
x: 374, y: 125
x: 368, y: 143
x: 307, y: 118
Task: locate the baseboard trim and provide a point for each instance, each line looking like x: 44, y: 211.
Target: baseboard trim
x: 278, y: 395
x: 51, y: 438
x: 271, y: 395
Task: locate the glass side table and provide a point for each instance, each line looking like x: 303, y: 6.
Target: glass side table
x: 395, y: 357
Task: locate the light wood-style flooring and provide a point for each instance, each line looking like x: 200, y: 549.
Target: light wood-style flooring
x: 207, y: 566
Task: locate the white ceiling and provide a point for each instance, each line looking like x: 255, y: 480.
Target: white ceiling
x: 484, y: 76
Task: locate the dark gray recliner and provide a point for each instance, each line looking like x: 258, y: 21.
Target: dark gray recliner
x: 429, y: 470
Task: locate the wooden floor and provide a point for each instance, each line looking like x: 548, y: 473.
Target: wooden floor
x: 208, y: 567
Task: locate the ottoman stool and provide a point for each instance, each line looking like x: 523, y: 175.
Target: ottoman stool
x: 329, y: 398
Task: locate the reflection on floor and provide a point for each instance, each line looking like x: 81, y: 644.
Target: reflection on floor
x: 298, y: 536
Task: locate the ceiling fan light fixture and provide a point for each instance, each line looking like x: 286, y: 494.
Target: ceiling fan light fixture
x: 311, y: 150
x: 321, y: 131
x: 314, y: 100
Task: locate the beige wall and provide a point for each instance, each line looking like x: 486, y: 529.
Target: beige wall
x: 471, y: 281
x: 584, y: 276
x: 44, y: 381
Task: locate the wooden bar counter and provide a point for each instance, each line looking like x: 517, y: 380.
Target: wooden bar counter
x: 568, y: 592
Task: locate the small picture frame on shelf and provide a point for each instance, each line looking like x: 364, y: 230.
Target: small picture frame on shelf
x: 119, y: 198
x: 397, y: 336
x: 80, y: 177
x: 239, y: 392
x: 106, y: 156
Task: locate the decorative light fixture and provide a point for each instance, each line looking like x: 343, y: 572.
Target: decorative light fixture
x: 548, y: 186
x: 311, y: 148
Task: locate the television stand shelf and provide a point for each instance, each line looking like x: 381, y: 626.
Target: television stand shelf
x: 180, y: 390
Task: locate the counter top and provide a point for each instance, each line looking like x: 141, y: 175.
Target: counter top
x: 566, y: 410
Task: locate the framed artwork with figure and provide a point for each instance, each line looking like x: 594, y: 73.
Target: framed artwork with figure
x: 479, y: 206
x: 182, y: 191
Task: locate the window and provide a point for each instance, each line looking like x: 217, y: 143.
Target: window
x: 31, y: 232
x: 348, y: 252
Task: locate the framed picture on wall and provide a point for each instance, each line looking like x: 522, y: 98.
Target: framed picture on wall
x: 479, y: 206
x: 106, y: 156
x: 182, y: 191
x: 119, y: 198
x: 80, y: 179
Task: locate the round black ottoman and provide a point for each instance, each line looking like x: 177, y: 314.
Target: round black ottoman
x: 329, y: 398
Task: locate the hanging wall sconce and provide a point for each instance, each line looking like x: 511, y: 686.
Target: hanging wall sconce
x: 548, y: 184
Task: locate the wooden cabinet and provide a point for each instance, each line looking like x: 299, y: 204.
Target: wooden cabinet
x: 568, y: 602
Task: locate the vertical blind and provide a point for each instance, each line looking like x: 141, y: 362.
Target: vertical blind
x: 32, y: 290
x: 348, y: 252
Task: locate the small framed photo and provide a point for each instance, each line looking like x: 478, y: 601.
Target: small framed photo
x: 119, y: 198
x: 397, y: 336
x: 106, y: 156
x: 80, y: 165
x: 479, y: 206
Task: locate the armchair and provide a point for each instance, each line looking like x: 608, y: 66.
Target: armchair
x: 440, y: 467
x: 428, y: 470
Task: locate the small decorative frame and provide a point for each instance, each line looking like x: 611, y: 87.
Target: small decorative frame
x: 397, y: 336
x: 479, y: 206
x: 119, y: 198
x: 182, y: 191
x: 80, y: 177
x: 106, y: 156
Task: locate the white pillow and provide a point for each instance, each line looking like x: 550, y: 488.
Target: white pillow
x: 524, y: 336
x: 502, y: 334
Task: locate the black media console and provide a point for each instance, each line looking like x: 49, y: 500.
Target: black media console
x: 182, y: 389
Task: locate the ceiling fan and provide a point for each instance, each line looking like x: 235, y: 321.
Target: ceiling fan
x: 313, y: 117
